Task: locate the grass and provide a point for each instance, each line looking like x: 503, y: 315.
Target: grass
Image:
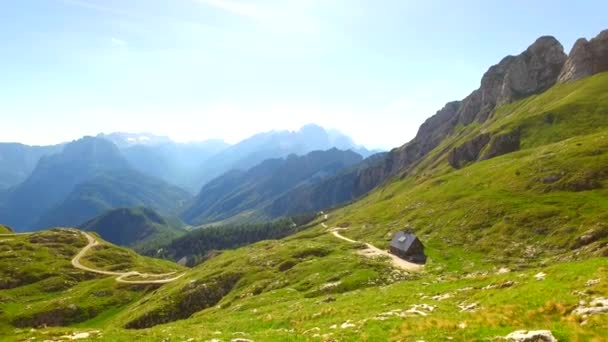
x: 541, y: 209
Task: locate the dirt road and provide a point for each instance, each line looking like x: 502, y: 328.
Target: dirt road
x: 121, y: 275
x: 372, y: 251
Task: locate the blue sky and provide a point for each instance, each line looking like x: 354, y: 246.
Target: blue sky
x: 199, y: 69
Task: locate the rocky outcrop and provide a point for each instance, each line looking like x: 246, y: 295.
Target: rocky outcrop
x: 468, y: 152
x: 197, y: 295
x: 586, y: 58
x: 503, y: 144
x: 515, y: 77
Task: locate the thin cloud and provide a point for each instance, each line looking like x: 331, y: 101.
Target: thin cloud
x: 284, y: 16
x: 118, y: 42
x: 90, y: 5
x: 247, y: 10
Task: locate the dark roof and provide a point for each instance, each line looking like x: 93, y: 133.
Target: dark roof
x: 403, y: 240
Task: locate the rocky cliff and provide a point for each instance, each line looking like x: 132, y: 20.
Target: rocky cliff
x: 586, y: 58
x: 535, y: 70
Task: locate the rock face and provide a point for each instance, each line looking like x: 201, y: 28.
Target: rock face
x: 586, y: 58
x: 468, y: 151
x: 515, y: 77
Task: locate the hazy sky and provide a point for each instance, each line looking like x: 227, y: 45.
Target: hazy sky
x: 199, y: 69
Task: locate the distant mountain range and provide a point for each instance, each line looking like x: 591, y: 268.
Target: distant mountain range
x: 67, y: 184
x: 249, y: 193
x: 273, y: 144
x: 88, y: 177
x: 17, y: 161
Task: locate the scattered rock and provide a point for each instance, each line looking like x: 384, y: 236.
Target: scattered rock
x: 591, y: 236
x: 420, y: 309
x: 329, y: 300
x: 531, y: 336
x: 347, y: 325
x: 330, y: 286
x: 506, y: 284
x: 315, y: 329
x: 592, y: 282
x: 596, y: 306
x: 503, y: 270
x: 467, y: 307
x: 442, y: 297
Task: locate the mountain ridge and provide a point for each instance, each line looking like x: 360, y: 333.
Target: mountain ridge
x: 244, y: 191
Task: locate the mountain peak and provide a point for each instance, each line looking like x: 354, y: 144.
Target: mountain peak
x: 586, y: 58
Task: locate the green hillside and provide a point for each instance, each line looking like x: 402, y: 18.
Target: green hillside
x: 40, y: 287
x: 5, y: 229
x: 250, y: 193
x: 516, y: 241
x: 138, y: 228
x: 108, y: 190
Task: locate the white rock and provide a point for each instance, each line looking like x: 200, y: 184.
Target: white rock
x: 503, y: 270
x: 347, y: 325
x: 596, y: 306
x: 531, y: 336
x: 311, y: 330
x: 592, y: 282
x: 442, y: 297
x: 540, y: 276
x: 464, y: 307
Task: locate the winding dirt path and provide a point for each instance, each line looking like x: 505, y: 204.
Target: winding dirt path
x: 372, y: 251
x: 121, y: 275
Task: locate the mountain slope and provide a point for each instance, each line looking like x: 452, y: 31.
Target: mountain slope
x: 55, y: 176
x: 115, y: 189
x: 57, y: 293
x: 17, y: 161
x: 274, y: 144
x: 134, y: 227
x: 88, y: 177
x: 5, y: 229
x: 162, y: 158
x: 511, y: 210
x: 238, y: 192
x: 535, y: 70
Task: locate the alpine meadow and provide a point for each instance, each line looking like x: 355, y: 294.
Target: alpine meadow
x: 239, y: 220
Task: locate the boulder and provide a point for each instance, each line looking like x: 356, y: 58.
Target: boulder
x: 531, y: 336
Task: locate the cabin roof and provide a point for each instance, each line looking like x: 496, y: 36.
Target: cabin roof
x: 403, y: 240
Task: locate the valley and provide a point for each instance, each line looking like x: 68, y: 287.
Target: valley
x: 289, y: 235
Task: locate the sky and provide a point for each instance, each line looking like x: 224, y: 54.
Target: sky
x: 201, y: 69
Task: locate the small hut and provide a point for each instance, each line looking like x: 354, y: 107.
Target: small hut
x: 408, y: 247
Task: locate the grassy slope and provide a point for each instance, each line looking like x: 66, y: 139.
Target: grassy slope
x: 511, y: 211
x: 5, y: 229
x: 139, y: 228
x: 38, y: 283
